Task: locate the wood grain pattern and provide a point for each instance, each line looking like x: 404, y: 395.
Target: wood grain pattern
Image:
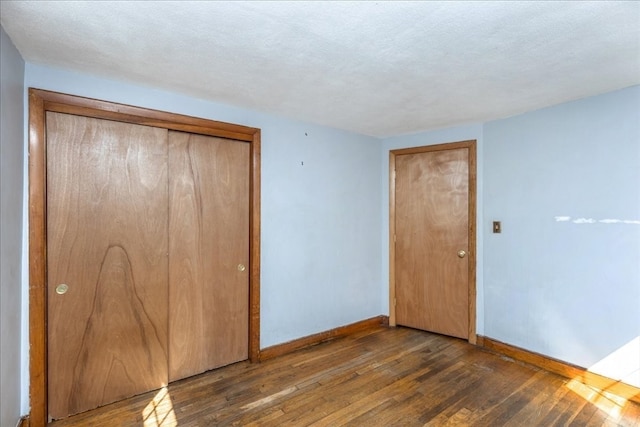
x: 375, y: 377
x: 471, y: 253
x: 41, y: 101
x: 209, y: 239
x: 431, y: 226
x: 76, y: 105
x: 564, y: 369
x: 107, y: 217
x: 392, y: 239
x: 254, y: 249
x: 37, y: 262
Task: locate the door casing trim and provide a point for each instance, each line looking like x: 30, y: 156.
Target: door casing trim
x: 471, y: 146
x: 40, y: 102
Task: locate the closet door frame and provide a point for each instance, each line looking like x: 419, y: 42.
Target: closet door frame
x: 42, y: 101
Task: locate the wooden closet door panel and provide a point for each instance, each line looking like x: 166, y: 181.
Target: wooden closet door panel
x: 107, y: 219
x: 432, y: 225
x: 209, y: 253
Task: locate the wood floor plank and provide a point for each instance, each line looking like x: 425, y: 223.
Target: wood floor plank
x: 379, y: 377
x: 539, y: 401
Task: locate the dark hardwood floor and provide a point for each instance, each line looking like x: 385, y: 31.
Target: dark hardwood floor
x: 379, y: 377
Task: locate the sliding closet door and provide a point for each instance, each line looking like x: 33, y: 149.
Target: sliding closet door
x: 209, y: 253
x: 107, y: 216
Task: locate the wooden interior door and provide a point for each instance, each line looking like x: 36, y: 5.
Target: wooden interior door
x: 107, y: 214
x: 431, y: 227
x: 209, y: 253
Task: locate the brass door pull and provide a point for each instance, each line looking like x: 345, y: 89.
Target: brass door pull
x: 241, y: 267
x: 62, y: 289
x: 461, y: 254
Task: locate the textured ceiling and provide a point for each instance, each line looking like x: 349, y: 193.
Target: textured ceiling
x: 377, y: 68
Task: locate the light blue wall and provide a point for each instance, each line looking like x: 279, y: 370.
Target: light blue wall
x: 320, y: 208
x: 11, y: 214
x: 564, y: 289
x: 567, y: 290
x: 441, y: 136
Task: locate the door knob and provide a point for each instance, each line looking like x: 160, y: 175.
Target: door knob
x: 461, y: 254
x: 62, y: 289
x: 241, y: 267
